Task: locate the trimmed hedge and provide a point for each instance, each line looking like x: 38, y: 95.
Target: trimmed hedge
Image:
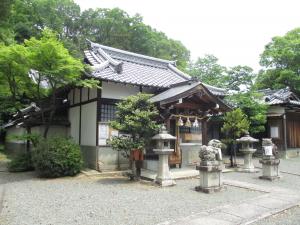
x: 57, y: 157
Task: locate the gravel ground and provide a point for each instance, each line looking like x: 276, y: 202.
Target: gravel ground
x: 83, y: 200
x: 288, y: 217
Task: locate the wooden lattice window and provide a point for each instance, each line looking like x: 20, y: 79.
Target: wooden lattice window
x: 108, y: 112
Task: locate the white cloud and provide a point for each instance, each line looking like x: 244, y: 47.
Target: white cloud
x: 235, y: 31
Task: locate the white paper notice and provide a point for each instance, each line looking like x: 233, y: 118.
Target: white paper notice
x: 103, y: 131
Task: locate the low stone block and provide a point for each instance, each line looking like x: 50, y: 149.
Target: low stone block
x: 270, y: 169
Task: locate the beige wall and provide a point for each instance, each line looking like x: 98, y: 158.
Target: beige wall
x: 93, y: 93
x: 117, y: 91
x: 276, y: 110
x: 88, y: 124
x: 74, y: 121
x: 76, y: 96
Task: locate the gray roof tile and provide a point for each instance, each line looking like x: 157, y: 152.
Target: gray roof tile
x: 136, y: 68
x: 281, y: 96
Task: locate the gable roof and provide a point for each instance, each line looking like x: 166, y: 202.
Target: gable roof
x: 186, y: 89
x: 117, y: 65
x: 281, y: 96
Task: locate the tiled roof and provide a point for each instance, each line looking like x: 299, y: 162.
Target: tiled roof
x: 281, y: 96
x: 185, y: 89
x: 117, y: 65
x: 121, y: 66
x: 172, y: 92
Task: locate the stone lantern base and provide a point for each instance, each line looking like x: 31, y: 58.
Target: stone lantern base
x: 165, y: 182
x: 270, y: 168
x: 164, y: 177
x: 210, y: 177
x: 248, y: 166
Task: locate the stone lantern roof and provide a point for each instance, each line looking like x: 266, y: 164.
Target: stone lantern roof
x: 247, y: 139
x: 163, y: 135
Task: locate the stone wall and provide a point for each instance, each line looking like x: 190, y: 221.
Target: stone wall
x: 109, y: 159
x: 103, y: 158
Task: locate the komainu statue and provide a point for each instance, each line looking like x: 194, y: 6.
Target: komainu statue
x: 212, y: 151
x: 210, y: 167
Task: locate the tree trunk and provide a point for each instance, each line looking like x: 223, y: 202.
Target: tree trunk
x: 52, y: 113
x: 48, y: 124
x: 28, y: 129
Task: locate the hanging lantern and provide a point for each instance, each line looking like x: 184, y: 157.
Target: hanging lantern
x: 188, y: 123
x: 196, y: 124
x: 180, y: 122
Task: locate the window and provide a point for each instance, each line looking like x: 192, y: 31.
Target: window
x: 274, y: 132
x: 107, y: 112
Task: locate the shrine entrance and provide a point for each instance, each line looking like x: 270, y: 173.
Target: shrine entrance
x: 185, y: 109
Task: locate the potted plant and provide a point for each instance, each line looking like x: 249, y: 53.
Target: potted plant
x: 136, y: 120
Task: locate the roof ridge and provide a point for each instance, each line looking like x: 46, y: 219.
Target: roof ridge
x: 213, y: 87
x: 132, y: 53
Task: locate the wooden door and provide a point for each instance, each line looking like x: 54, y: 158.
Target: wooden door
x: 293, y: 128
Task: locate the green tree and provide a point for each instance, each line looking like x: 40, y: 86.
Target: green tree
x: 54, y: 65
x: 6, y: 34
x: 136, y: 117
x: 254, y: 108
x: 14, y: 79
x: 112, y: 27
x: 235, y: 125
x: 240, y: 78
x: 208, y: 70
x: 281, y: 63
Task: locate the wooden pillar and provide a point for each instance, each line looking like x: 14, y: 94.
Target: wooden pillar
x: 204, y: 132
x: 28, y: 130
x: 284, y: 132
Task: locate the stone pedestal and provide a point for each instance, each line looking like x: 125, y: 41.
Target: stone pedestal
x: 270, y: 168
x: 210, y: 176
x: 190, y: 154
x: 164, y: 177
x: 248, y: 164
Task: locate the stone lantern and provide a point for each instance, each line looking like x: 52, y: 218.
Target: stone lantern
x: 163, y: 149
x: 269, y: 161
x: 248, y: 150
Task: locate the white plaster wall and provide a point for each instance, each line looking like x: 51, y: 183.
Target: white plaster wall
x: 77, y: 95
x: 84, y: 94
x: 88, y: 124
x: 276, y: 109
x: 93, y: 93
x: 74, y: 120
x: 117, y: 91
x: 11, y: 131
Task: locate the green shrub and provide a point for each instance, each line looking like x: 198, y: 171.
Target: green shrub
x: 57, y: 157
x: 21, y: 163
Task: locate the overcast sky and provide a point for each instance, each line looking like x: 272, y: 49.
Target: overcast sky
x: 235, y: 31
